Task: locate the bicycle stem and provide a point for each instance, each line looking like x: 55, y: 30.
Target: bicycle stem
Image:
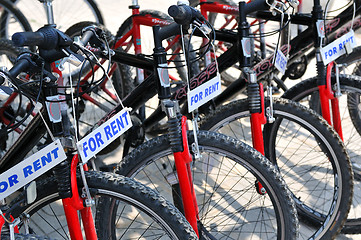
x: 48, y: 5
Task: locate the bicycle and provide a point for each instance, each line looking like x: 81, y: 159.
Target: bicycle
x: 244, y: 158
x: 129, y: 38
x: 226, y: 36
x: 337, y: 96
x: 281, y: 112
x: 140, y: 162
x: 77, y: 191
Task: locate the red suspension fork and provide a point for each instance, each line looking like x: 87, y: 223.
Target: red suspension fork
x: 74, y: 204
x: 327, y: 95
x: 257, y: 120
x: 182, y: 162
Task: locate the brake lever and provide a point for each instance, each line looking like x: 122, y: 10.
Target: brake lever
x: 72, y: 58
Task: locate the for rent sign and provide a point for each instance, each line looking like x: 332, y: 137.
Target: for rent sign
x: 203, y: 93
x: 31, y: 168
x: 338, y: 47
x: 106, y: 133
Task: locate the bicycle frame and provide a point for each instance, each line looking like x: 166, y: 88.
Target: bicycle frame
x: 73, y: 204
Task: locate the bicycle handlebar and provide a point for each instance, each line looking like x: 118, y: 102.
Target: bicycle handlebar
x: 20, y: 66
x: 184, y: 14
x: 28, y: 39
x: 50, y: 42
x: 23, y: 63
x: 45, y: 38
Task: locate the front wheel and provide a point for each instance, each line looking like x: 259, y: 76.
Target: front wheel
x: 306, y: 92
x: 123, y: 208
x: 225, y: 181
x: 309, y: 155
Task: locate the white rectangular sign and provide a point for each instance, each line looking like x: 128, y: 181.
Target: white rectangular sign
x: 102, y: 136
x: 31, y: 168
x: 337, y: 48
x: 281, y: 62
x: 203, y: 93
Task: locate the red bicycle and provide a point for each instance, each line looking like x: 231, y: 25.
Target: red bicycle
x: 53, y: 204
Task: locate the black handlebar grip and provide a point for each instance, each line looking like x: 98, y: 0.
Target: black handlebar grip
x: 181, y: 14
x: 20, y: 66
x: 44, y: 38
x: 257, y: 5
x: 184, y: 14
x: 21, y: 39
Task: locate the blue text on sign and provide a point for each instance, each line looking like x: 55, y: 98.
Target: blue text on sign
x: 203, y: 93
x: 281, y: 62
x: 337, y: 48
x: 102, y: 136
x: 31, y: 168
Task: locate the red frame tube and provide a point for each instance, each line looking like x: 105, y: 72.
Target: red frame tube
x: 218, y: 8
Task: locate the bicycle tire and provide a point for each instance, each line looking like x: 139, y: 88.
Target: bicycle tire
x: 64, y: 15
x: 8, y: 26
x: 353, y: 99
x: 152, y: 162
x: 350, y: 86
x: 107, y: 187
x: 304, y: 177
